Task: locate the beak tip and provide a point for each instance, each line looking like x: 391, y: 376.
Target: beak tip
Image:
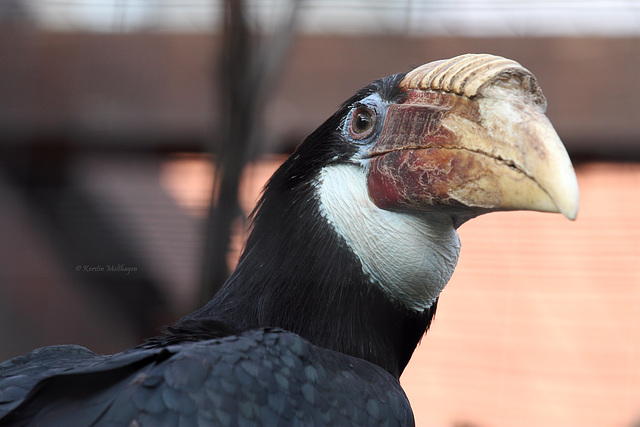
x: 569, y: 200
x: 572, y: 214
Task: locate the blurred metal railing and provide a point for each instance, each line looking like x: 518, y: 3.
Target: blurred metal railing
x: 404, y: 17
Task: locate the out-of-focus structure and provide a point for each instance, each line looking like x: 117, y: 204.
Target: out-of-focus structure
x: 108, y: 109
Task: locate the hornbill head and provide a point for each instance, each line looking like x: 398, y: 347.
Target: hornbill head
x: 430, y: 149
x: 355, y: 235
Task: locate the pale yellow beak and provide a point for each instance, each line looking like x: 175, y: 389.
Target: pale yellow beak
x: 515, y: 158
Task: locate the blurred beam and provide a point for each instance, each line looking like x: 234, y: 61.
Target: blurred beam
x: 152, y: 91
x: 250, y: 65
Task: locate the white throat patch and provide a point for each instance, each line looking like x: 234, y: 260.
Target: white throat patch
x: 411, y: 257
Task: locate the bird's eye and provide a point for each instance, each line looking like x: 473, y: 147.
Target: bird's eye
x: 362, y: 123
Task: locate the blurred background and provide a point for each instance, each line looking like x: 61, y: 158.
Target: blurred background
x: 121, y: 121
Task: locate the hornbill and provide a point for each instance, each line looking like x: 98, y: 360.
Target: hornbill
x: 352, y: 241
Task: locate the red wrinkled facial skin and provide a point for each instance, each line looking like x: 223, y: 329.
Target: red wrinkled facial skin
x: 416, y: 160
x: 419, y: 179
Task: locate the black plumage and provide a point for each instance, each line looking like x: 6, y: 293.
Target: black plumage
x: 260, y: 377
x: 336, y: 360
